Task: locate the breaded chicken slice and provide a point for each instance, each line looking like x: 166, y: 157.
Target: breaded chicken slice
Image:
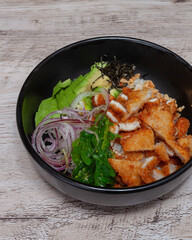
x: 128, y: 171
x: 186, y: 142
x: 98, y: 100
x: 140, y: 84
x: 130, y: 124
x: 169, y: 168
x: 117, y: 107
x: 168, y: 105
x: 126, y: 90
x: 157, y: 174
x: 182, y: 126
x: 161, y: 152
x: 170, y: 152
x: 113, y: 117
x: 171, y: 105
x: 132, y: 80
x: 122, y: 98
x: 165, y: 170
x: 152, y: 169
x: 137, y: 99
x: 138, y: 140
x: 133, y: 156
x: 161, y: 121
x: 181, y: 152
x: 114, y: 128
x: 118, y: 150
x: 152, y: 103
x: 147, y: 167
x: 149, y: 84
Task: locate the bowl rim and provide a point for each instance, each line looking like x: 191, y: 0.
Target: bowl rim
x: 68, y: 180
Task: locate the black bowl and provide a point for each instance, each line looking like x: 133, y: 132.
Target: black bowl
x: 170, y: 73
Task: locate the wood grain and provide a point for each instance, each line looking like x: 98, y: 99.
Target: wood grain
x: 29, y: 31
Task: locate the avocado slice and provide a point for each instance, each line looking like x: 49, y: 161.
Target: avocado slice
x: 82, y: 84
x: 61, y: 85
x: 102, y: 81
x: 46, y: 106
x: 69, y: 94
x: 65, y: 92
x: 62, y: 101
x: 114, y: 92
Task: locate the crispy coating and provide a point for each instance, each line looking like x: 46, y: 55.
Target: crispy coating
x: 152, y: 103
x: 157, y: 174
x: 161, y: 152
x: 186, y: 142
x: 176, y: 161
x: 182, y: 126
x: 118, y: 150
x: 161, y: 121
x: 114, y: 128
x: 137, y: 99
x: 138, y: 140
x: 130, y: 124
x: 98, y: 100
x: 122, y: 98
x: 126, y: 90
x: 111, y: 97
x: 112, y: 116
x: 132, y: 79
x: 171, y: 106
x: 128, y: 171
x: 133, y: 156
x: 181, y: 152
x: 117, y: 107
x: 146, y: 170
x: 154, y: 141
x: 149, y: 84
x: 169, y: 168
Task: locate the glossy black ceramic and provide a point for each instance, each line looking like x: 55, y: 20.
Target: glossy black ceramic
x: 170, y: 73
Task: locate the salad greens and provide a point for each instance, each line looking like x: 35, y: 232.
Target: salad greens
x: 90, y: 152
x: 91, y: 156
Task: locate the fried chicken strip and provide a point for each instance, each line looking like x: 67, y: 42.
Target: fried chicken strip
x: 136, y: 100
x: 138, y: 140
x: 162, y: 122
x: 128, y: 171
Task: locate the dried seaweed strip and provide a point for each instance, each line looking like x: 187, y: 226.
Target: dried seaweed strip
x: 116, y: 70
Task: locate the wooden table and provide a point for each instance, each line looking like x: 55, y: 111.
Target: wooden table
x: 29, y: 31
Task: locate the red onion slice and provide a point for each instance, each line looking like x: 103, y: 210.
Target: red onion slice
x: 81, y: 96
x: 53, y: 137
x: 53, y: 141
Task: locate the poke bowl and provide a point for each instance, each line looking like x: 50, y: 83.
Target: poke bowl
x: 170, y: 74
